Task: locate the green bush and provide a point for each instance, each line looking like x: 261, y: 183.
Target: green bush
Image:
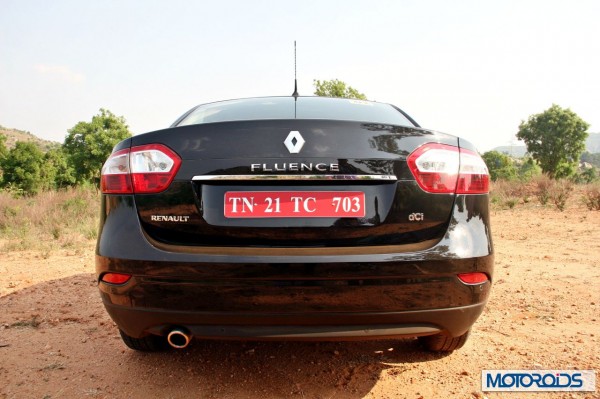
x: 500, y: 166
x: 586, y: 176
x: 528, y: 169
x: 23, y: 169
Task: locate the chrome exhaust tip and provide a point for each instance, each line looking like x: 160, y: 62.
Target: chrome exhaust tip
x: 179, y: 338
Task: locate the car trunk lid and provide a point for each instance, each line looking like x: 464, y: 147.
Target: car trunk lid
x: 285, y: 159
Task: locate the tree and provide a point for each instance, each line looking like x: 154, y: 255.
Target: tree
x: 336, y: 88
x: 3, y: 153
x: 555, y: 138
x: 57, y: 169
x: 528, y: 169
x: 3, y: 149
x: 500, y: 165
x: 23, y: 167
x: 88, y: 144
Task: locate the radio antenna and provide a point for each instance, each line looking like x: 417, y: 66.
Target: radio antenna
x: 295, y: 94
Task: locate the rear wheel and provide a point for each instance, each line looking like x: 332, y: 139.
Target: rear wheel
x: 443, y: 342
x: 149, y: 343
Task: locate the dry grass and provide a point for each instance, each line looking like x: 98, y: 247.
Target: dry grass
x: 33, y: 322
x: 557, y: 193
x: 48, y: 221
x: 508, y: 194
x: 560, y: 192
x: 591, y: 196
x: 543, y: 186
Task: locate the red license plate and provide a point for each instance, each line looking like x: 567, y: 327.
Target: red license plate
x: 294, y: 204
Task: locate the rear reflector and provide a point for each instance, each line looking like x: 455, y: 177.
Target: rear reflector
x: 142, y: 170
x: 473, y: 278
x: 115, y: 278
x: 445, y: 169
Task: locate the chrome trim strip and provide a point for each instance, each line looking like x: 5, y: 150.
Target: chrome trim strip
x: 263, y: 252
x: 295, y: 177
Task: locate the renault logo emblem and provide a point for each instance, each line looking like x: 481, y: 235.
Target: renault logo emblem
x: 294, y: 142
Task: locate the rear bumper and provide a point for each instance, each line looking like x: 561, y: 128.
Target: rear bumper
x: 309, y: 300
x: 271, y: 294
x: 326, y: 326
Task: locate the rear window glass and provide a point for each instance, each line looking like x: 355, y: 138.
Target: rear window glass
x: 303, y: 108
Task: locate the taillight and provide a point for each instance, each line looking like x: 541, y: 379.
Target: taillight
x: 474, y: 177
x: 115, y: 177
x: 473, y: 278
x: 142, y: 170
x: 445, y: 169
x: 115, y: 278
x: 153, y: 168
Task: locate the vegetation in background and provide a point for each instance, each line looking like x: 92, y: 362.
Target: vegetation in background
x: 507, y: 194
x: 528, y: 169
x: 336, y: 88
x: 500, y: 166
x: 3, y: 149
x: 65, y: 219
x: 28, y: 168
x: 591, y: 158
x: 555, y: 138
x: 543, y: 185
x: 88, y: 144
x: 555, y: 141
x: 23, y: 167
x: 585, y: 176
x: 3, y: 154
x: 591, y: 196
x: 560, y: 191
x: 58, y: 171
x: 503, y: 167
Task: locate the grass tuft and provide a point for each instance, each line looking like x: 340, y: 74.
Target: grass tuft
x: 50, y: 220
x: 34, y: 322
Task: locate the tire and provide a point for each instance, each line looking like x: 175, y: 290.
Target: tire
x: 149, y: 343
x: 443, y: 342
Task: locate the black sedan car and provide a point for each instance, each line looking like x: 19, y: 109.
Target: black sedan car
x: 296, y: 218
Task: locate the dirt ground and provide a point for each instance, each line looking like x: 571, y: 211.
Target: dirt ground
x: 56, y: 340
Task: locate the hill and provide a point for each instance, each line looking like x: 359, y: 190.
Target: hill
x: 592, y: 145
x: 515, y: 151
x: 14, y: 135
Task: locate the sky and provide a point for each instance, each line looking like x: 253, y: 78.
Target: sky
x: 474, y: 69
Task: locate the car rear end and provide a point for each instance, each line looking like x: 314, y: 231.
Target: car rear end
x: 305, y: 223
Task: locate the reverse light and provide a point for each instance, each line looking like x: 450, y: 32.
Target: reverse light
x: 473, y: 278
x: 473, y: 177
x: 141, y: 170
x: 115, y: 278
x: 115, y: 177
x: 445, y: 169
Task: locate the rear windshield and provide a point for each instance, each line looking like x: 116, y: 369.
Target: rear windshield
x: 303, y: 108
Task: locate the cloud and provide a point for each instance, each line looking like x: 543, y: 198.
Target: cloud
x: 60, y: 71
